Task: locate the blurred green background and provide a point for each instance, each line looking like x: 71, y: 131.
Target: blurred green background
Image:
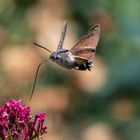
x: 99, y: 105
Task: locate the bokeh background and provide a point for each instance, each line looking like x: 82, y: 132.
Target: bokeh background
x: 103, y: 104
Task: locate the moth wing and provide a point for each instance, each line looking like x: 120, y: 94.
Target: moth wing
x: 86, y: 47
x: 80, y: 60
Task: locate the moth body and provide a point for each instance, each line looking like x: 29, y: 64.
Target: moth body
x: 66, y: 59
x: 63, y: 58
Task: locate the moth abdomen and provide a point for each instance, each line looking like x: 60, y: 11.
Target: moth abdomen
x: 85, y: 66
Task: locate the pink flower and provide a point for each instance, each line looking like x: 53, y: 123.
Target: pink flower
x: 16, y: 122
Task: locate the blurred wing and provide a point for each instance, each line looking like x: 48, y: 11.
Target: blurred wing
x: 86, y: 47
x: 80, y: 60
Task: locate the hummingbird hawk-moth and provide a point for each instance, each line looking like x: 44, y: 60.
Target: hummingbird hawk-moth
x: 79, y: 57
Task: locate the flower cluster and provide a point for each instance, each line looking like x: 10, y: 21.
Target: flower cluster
x: 16, y: 123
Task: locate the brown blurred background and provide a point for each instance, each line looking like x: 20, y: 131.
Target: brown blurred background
x: 99, y: 105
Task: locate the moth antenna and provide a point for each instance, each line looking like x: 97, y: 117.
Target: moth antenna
x: 42, y: 47
x: 36, y: 75
x: 63, y: 33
